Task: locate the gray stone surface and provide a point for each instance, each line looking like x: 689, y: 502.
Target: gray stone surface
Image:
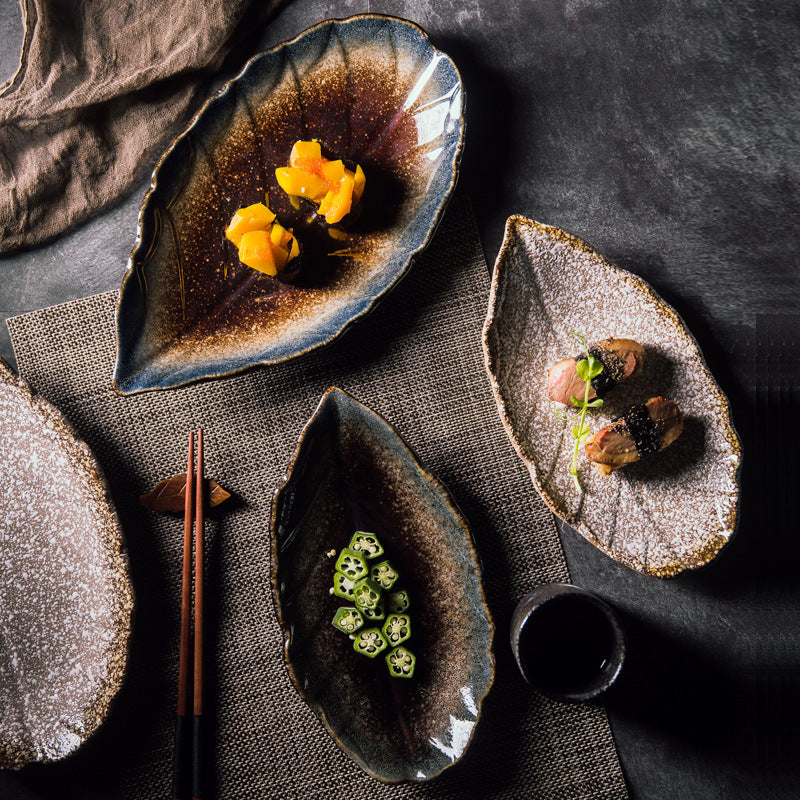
x: 666, y: 134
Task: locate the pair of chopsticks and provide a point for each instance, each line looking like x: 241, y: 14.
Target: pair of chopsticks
x: 188, y: 742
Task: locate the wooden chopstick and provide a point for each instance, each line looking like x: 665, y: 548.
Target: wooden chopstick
x: 182, y: 711
x: 189, y: 761
x: 197, y: 738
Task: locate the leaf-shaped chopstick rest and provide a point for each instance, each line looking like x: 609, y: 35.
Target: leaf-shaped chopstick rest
x: 169, y: 494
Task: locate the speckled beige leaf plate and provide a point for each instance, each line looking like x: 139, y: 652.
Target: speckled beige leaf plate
x: 65, y: 595
x: 662, y: 515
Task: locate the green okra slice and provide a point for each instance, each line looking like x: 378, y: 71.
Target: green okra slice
x: 384, y: 574
x: 348, y: 619
x: 397, y: 628
x: 369, y: 642
x: 377, y: 614
x: 401, y: 662
x: 343, y: 587
x: 397, y: 602
x: 367, y: 543
x: 352, y: 564
x: 366, y: 594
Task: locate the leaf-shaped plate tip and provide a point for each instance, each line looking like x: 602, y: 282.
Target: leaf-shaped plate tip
x: 667, y: 513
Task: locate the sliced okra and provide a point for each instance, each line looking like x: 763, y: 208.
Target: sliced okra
x: 377, y: 614
x: 366, y: 593
x: 397, y: 628
x: 401, y: 662
x: 384, y: 574
x: 367, y: 543
x: 348, y: 619
x: 397, y: 602
x: 369, y: 642
x: 352, y: 564
x: 343, y: 587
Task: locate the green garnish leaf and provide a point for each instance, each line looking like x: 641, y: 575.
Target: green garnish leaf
x: 587, y: 368
x: 581, y: 340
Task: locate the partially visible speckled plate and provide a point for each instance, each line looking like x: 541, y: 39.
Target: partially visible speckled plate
x: 65, y: 595
x: 670, y: 512
x: 351, y: 471
x: 373, y: 90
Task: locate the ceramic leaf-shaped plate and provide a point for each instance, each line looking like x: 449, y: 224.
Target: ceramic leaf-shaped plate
x: 669, y: 512
x: 65, y: 594
x: 372, y: 90
x: 352, y: 472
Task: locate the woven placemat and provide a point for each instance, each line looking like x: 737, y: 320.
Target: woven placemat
x: 417, y: 360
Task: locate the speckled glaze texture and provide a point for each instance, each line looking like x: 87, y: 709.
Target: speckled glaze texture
x: 65, y: 595
x: 672, y: 511
x: 374, y: 91
x: 352, y: 472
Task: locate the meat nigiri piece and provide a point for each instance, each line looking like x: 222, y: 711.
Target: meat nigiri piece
x: 641, y: 431
x: 621, y: 358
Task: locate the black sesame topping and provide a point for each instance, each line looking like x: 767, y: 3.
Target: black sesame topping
x: 613, y: 369
x: 642, y: 430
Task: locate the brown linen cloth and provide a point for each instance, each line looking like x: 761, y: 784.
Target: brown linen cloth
x: 101, y: 88
x: 417, y: 360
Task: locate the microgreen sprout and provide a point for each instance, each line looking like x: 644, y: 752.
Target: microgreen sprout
x: 587, y: 368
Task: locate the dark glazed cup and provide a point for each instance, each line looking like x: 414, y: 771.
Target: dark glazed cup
x: 567, y: 642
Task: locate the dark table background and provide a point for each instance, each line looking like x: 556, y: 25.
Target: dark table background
x: 667, y: 135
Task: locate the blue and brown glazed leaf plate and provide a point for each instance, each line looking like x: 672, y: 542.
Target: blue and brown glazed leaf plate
x: 672, y: 511
x: 352, y: 472
x: 374, y: 91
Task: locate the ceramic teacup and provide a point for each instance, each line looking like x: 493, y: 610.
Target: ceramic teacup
x: 567, y: 642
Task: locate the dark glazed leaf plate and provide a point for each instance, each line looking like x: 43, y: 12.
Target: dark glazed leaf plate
x: 373, y: 90
x: 351, y: 471
x: 670, y: 512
